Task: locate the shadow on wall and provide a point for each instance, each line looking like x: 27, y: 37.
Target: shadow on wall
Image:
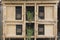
x: 1, y: 26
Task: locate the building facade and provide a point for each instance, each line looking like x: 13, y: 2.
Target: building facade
x: 38, y: 15
x: 1, y: 27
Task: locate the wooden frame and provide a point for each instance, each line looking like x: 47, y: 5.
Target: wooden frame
x: 23, y: 21
x: 22, y: 13
x: 37, y: 13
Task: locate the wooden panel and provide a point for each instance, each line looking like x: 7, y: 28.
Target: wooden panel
x: 49, y: 11
x: 10, y: 13
x: 11, y: 30
x: 48, y: 30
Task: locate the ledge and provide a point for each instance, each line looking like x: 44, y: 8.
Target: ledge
x: 30, y: 2
x: 21, y: 22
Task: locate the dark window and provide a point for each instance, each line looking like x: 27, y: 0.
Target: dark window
x: 31, y: 39
x: 18, y: 29
x: 29, y: 29
x: 45, y: 38
x: 41, y: 12
x: 29, y: 12
x: 17, y: 39
x: 18, y: 12
x: 6, y: 38
x: 40, y: 29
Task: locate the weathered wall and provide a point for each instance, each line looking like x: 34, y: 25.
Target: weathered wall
x: 10, y: 16
x: 1, y: 25
x: 10, y: 13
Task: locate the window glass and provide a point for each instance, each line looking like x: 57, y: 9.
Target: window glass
x: 29, y: 29
x: 29, y: 12
x: 41, y: 12
x: 18, y: 12
x: 40, y: 29
x: 18, y: 29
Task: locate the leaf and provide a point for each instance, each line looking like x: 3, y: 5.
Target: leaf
x: 29, y: 16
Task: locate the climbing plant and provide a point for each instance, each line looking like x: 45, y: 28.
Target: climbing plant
x: 30, y: 16
x: 29, y: 33
x: 29, y: 29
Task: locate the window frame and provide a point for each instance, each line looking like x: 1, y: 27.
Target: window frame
x: 38, y: 13
x: 32, y: 27
x: 25, y: 11
x: 20, y: 27
x: 21, y: 14
x: 22, y: 30
x: 41, y: 12
x: 42, y: 35
x: 30, y: 10
x: 41, y: 27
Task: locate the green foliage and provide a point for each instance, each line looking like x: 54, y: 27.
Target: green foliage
x: 29, y: 33
x: 30, y: 16
x: 29, y: 29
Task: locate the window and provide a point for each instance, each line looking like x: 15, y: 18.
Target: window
x: 6, y: 38
x: 45, y: 38
x: 18, y: 29
x: 29, y: 29
x: 30, y: 39
x: 40, y: 29
x: 18, y: 12
x: 29, y: 12
x: 41, y: 12
x: 17, y: 39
